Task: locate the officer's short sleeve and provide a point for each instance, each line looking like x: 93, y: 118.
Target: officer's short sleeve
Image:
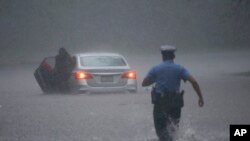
x: 152, y: 74
x: 184, y: 73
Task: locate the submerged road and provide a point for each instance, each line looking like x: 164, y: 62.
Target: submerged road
x: 26, y: 114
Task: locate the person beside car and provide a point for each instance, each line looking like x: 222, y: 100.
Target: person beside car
x: 63, y: 67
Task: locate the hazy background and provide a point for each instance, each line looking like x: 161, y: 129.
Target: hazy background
x: 32, y: 29
x: 212, y: 37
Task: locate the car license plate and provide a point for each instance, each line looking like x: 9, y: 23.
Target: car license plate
x: 107, y: 79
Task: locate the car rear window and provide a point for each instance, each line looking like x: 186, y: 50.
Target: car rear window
x: 102, y: 61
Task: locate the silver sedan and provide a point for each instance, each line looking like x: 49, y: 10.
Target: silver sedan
x: 99, y: 72
x: 102, y: 72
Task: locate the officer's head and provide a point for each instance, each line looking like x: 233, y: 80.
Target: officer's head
x: 168, y: 52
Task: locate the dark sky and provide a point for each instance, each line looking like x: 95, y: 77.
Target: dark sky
x: 36, y: 28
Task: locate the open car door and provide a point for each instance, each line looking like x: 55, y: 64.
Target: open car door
x: 44, y: 75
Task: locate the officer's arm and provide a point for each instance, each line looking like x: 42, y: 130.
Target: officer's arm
x: 146, y: 82
x: 197, y: 89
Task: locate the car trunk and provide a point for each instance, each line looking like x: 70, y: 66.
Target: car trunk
x: 107, y: 77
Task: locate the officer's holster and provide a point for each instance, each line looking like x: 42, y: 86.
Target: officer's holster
x: 168, y: 99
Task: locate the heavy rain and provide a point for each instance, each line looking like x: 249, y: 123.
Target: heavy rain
x: 212, y: 39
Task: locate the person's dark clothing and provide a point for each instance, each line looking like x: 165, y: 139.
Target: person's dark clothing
x: 63, y: 66
x: 63, y: 69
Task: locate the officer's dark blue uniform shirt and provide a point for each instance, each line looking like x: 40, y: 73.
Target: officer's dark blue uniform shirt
x: 167, y: 76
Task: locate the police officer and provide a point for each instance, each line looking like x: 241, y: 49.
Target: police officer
x: 166, y: 95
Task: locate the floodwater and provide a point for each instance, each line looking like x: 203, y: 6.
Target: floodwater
x: 27, y: 115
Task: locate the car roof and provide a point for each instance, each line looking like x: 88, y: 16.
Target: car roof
x: 98, y: 54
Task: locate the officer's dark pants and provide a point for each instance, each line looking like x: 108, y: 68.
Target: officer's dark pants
x: 166, y: 120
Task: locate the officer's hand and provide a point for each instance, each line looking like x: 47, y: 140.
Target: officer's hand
x: 201, y: 102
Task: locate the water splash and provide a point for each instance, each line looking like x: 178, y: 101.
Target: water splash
x: 190, y: 134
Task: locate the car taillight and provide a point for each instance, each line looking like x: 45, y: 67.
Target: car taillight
x: 82, y: 75
x: 129, y: 75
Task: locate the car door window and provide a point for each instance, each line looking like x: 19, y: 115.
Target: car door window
x: 48, y: 63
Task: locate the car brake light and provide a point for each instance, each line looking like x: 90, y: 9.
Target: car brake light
x: 82, y: 75
x: 129, y: 75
